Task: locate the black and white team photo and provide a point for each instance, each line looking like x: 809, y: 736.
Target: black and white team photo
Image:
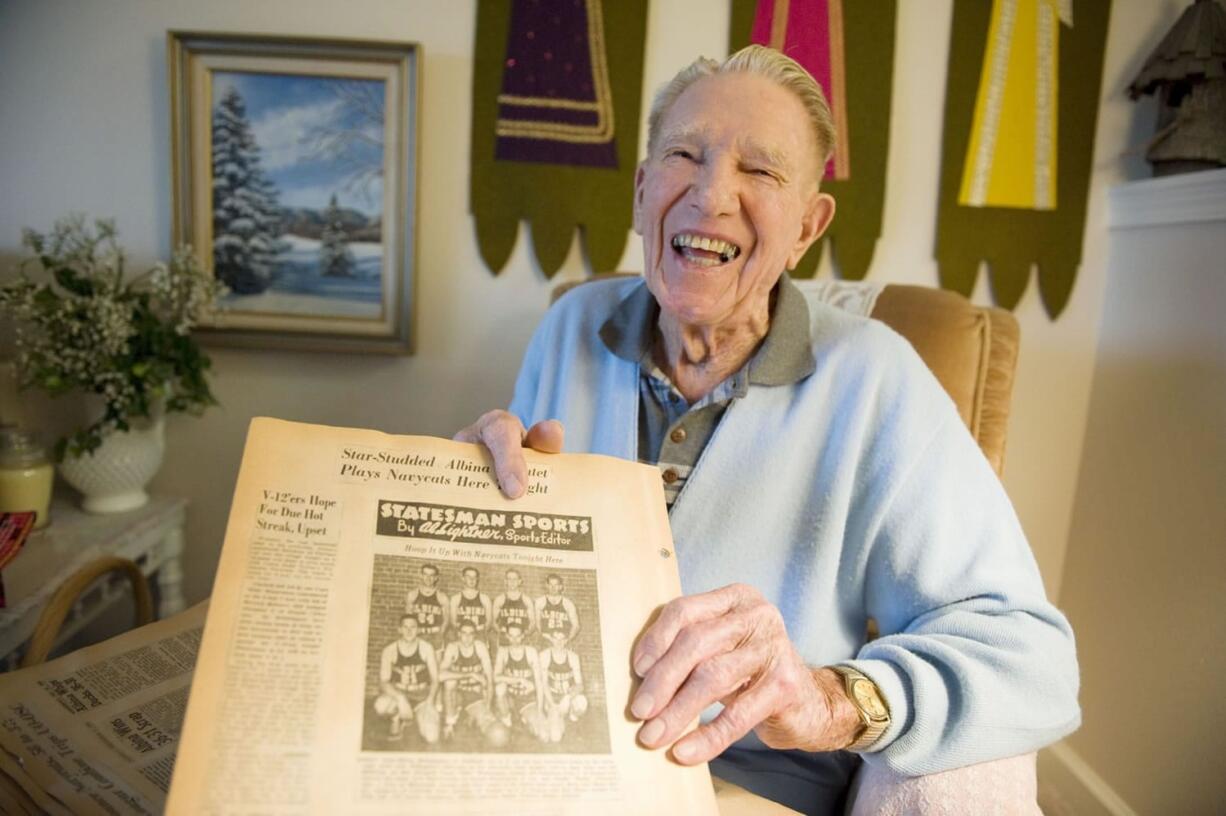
x: 467, y: 657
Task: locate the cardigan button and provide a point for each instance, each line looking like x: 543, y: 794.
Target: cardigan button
x: 670, y: 476
x: 677, y: 435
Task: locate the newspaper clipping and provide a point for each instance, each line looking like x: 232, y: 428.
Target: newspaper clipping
x: 97, y: 731
x: 388, y: 633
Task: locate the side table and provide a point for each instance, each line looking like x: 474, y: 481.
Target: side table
x: 151, y: 536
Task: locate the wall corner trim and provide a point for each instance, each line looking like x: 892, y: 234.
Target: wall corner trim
x: 1068, y: 785
x: 1182, y: 199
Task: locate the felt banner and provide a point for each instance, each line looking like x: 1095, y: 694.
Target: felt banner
x: 848, y: 47
x: 557, y: 90
x: 1021, y: 106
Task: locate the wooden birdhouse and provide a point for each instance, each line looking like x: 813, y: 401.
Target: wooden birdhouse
x: 1188, y: 70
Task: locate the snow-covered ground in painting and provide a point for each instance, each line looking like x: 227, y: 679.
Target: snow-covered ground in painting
x: 299, y: 289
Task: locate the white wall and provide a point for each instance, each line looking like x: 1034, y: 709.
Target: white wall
x: 84, y: 126
x: 1146, y: 566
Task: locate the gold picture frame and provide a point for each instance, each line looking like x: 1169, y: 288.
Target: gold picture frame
x: 294, y: 174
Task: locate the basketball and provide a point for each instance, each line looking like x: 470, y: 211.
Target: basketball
x: 497, y: 735
x: 385, y: 706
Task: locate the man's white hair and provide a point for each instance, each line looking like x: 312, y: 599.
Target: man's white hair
x: 760, y: 61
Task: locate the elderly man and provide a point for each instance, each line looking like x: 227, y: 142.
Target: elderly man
x: 816, y: 472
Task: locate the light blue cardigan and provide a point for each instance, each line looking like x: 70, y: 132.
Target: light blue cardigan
x: 856, y: 492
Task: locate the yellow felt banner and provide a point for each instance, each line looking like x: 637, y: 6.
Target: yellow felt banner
x: 1011, y: 159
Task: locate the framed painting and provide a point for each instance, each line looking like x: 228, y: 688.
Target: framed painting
x: 294, y: 176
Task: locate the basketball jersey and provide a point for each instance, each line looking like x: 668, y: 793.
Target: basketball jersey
x: 513, y: 611
x: 409, y: 672
x: 470, y: 610
x: 520, y: 669
x: 554, y: 618
x: 560, y: 676
x: 429, y: 613
x: 467, y: 665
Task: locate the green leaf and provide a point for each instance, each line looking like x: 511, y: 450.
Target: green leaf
x: 45, y: 299
x: 74, y: 282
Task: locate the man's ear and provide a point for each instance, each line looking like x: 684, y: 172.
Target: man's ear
x: 639, y: 174
x: 817, y: 218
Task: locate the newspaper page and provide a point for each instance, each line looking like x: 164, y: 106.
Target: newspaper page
x: 95, y: 732
x: 389, y: 634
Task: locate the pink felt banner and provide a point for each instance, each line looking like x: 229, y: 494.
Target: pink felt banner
x: 810, y: 32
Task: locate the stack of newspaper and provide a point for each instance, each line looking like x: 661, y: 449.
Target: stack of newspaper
x: 96, y: 732
x: 387, y: 634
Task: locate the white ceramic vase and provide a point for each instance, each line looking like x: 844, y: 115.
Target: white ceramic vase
x: 113, y: 478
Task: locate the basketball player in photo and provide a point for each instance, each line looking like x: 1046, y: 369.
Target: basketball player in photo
x: 468, y: 679
x: 470, y: 604
x: 513, y: 607
x: 429, y: 606
x: 555, y: 613
x: 408, y: 679
x: 565, y: 702
x: 518, y: 686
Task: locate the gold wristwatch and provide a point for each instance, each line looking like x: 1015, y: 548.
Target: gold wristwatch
x: 870, y: 705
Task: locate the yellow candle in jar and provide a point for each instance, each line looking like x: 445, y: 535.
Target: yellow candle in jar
x: 25, y: 476
x: 26, y: 489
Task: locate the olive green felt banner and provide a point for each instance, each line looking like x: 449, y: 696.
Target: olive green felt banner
x: 1009, y: 215
x: 557, y: 91
x: 867, y: 65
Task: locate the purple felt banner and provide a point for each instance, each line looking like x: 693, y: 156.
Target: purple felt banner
x: 555, y: 104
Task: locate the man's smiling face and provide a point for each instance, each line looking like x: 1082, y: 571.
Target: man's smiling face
x: 728, y: 199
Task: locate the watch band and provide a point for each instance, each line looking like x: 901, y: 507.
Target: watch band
x: 871, y: 706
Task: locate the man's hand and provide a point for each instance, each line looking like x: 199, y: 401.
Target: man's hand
x: 504, y: 436
x: 731, y: 646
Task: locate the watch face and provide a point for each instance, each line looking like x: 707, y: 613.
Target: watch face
x: 867, y: 698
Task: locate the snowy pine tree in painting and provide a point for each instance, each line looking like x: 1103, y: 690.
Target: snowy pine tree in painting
x: 246, y: 213
x: 335, y: 259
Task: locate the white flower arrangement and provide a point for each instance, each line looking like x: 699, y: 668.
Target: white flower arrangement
x: 83, y: 327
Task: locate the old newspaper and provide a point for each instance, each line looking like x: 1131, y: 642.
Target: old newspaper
x: 95, y: 732
x: 388, y: 634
